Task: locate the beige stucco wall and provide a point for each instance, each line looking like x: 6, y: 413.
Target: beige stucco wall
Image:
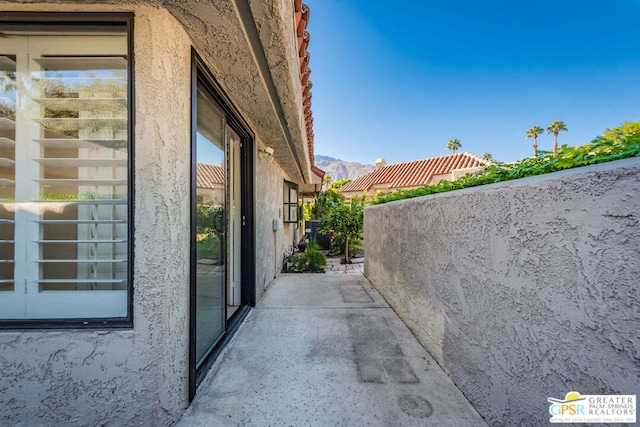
x: 271, y: 245
x: 140, y: 376
x: 251, y: 48
x: 521, y: 290
x: 257, y: 65
x: 136, y: 376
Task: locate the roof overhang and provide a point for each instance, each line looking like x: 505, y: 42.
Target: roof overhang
x: 315, y: 186
x: 252, y: 49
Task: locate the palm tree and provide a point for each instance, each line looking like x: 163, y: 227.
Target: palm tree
x: 488, y: 157
x: 533, y: 133
x: 326, y: 181
x: 554, y: 128
x: 453, y: 145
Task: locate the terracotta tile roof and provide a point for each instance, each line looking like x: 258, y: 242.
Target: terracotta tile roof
x: 302, y: 19
x: 412, y: 174
x: 209, y: 176
x: 318, y: 171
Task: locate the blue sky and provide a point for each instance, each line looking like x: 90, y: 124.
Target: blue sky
x: 400, y: 79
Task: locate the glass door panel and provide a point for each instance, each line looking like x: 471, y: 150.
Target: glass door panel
x: 211, y: 226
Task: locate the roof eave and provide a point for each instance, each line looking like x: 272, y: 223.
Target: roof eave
x: 251, y: 48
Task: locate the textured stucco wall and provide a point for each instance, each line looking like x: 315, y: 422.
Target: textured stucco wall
x: 138, y: 376
x: 276, y: 29
x: 251, y: 48
x: 270, y: 245
x: 521, y: 290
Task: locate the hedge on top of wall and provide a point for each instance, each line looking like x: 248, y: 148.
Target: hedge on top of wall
x: 599, y: 150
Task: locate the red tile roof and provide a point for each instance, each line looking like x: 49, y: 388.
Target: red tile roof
x: 209, y: 176
x: 412, y: 174
x: 302, y: 19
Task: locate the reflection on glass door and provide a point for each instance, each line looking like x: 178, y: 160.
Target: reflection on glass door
x: 210, y: 227
x: 222, y: 235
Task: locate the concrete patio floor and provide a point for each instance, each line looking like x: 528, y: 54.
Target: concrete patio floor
x: 326, y: 350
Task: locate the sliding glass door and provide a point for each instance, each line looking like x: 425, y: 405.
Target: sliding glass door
x: 222, y: 214
x: 211, y: 226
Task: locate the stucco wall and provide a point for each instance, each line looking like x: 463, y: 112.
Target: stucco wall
x: 521, y: 290
x: 139, y: 376
x: 271, y: 245
x: 253, y: 51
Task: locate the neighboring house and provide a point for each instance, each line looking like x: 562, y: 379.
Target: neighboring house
x: 414, y: 174
x: 210, y: 182
x: 119, y: 283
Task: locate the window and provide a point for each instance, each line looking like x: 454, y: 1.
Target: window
x: 64, y: 171
x: 290, y: 202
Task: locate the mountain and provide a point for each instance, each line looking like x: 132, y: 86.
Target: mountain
x: 339, y: 169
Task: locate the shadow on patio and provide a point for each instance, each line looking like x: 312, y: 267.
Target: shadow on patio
x: 326, y: 350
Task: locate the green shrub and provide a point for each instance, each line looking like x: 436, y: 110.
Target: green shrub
x: 599, y: 151
x: 311, y: 260
x: 338, y: 244
x: 346, y: 220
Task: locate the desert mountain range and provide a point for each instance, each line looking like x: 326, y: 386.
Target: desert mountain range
x: 340, y: 169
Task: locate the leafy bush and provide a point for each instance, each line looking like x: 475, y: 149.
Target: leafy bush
x: 7, y: 110
x: 599, y: 151
x: 621, y: 132
x: 311, y: 260
x: 326, y: 200
x: 208, y: 248
x: 210, y: 231
x: 338, y: 244
x: 346, y: 222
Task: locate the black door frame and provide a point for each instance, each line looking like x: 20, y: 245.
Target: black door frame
x: 201, y: 77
